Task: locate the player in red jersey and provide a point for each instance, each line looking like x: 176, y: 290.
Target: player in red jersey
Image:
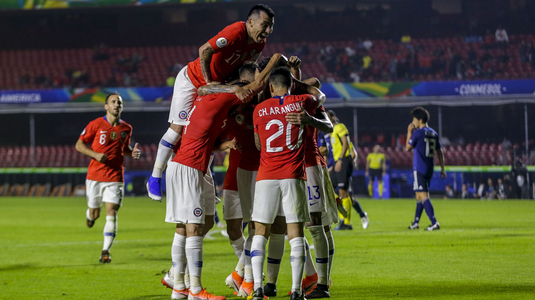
x: 186, y: 204
x: 218, y: 58
x: 110, y: 142
x: 280, y: 186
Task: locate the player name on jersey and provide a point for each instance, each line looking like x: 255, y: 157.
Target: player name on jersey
x: 291, y: 107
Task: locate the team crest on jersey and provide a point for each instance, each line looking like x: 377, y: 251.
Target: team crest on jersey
x: 123, y: 134
x: 240, y: 118
x: 113, y: 135
x: 197, y: 212
x: 221, y: 42
x: 183, y: 115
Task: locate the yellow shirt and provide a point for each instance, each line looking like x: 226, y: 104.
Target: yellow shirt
x: 339, y: 131
x: 375, y: 160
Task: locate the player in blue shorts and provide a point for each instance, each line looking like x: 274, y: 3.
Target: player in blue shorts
x: 425, y: 143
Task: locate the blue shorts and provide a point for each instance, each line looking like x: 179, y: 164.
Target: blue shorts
x: 421, y: 182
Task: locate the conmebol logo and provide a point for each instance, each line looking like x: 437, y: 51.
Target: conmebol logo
x: 481, y: 89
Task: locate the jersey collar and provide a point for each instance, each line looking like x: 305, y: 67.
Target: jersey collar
x: 281, y: 98
x: 109, y: 121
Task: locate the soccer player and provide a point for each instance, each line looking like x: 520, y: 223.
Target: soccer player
x: 375, y: 168
x: 342, y: 172
x: 218, y: 58
x: 110, y: 142
x: 280, y: 187
x: 425, y: 143
x: 187, y: 203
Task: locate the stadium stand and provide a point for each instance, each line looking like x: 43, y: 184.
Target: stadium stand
x: 424, y: 59
x: 473, y: 154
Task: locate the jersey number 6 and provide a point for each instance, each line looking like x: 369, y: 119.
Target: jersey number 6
x: 280, y: 132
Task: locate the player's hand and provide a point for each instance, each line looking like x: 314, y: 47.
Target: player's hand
x: 338, y: 166
x: 443, y: 174
x: 301, y: 117
x: 367, y: 173
x: 213, y: 82
x: 234, y: 145
x: 245, y: 95
x: 355, y: 163
x: 101, y: 157
x: 411, y: 128
x: 136, y: 153
x: 294, y: 62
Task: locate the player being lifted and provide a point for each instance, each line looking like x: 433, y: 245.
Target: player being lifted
x: 280, y: 187
x: 110, y: 142
x: 425, y: 143
x: 218, y: 58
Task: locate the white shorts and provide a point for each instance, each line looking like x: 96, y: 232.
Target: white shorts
x: 208, y: 193
x: 316, y: 190
x: 231, y: 205
x: 246, y: 188
x: 185, y: 189
x: 331, y: 217
x: 184, y: 93
x: 286, y: 197
x: 98, y: 192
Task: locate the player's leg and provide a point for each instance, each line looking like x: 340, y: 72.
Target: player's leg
x: 275, y: 253
x: 428, y: 206
x: 267, y: 200
x: 94, y: 202
x: 295, y: 208
x: 330, y: 240
x: 178, y: 256
x: 380, y: 183
x: 371, y: 179
x: 347, y: 169
x: 112, y: 195
x: 184, y: 93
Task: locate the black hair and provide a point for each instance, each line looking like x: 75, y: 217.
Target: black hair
x: 248, y: 68
x: 114, y: 93
x: 265, y: 61
x: 420, y: 113
x: 281, y: 77
x: 331, y: 113
x: 261, y: 7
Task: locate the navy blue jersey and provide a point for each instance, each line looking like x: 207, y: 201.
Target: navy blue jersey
x: 325, y: 141
x: 425, y: 142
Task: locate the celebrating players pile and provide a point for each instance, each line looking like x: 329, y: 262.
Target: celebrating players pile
x: 268, y: 118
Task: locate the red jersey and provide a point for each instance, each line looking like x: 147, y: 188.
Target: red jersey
x: 110, y: 140
x: 313, y: 156
x: 207, y: 119
x: 241, y: 126
x: 231, y: 50
x: 283, y: 151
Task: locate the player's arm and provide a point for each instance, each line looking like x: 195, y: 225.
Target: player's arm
x: 319, y: 120
x: 82, y: 148
x: 303, y: 88
x: 135, y: 153
x: 345, y: 145
x: 205, y: 55
x: 262, y: 80
x: 295, y: 67
x: 354, y: 155
x: 324, y: 150
x: 384, y: 166
x: 241, y: 93
x: 410, y: 131
x: 367, y: 166
x: 223, y: 146
x: 441, y: 161
x: 257, y: 142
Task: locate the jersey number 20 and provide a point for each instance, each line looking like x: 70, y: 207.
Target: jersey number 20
x: 280, y: 132
x: 430, y: 145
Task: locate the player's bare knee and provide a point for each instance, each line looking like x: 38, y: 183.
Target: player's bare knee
x: 194, y: 229
x: 343, y: 193
x: 262, y: 229
x: 209, y: 222
x: 295, y: 230
x: 234, y: 229
x: 279, y: 225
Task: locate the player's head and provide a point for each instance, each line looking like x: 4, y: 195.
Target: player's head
x: 376, y: 148
x: 283, y: 62
x: 448, y: 187
x: 248, y: 71
x: 280, y: 80
x: 260, y: 22
x: 332, y: 116
x: 114, y: 104
x: 420, y: 116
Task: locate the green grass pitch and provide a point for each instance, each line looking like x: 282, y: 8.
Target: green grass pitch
x: 485, y: 250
